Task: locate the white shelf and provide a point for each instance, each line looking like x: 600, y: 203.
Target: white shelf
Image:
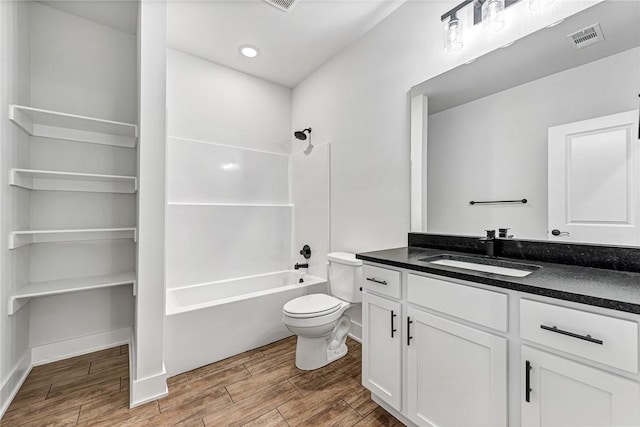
x: 54, y: 124
x: 56, y: 287
x: 72, y: 181
x: 26, y: 237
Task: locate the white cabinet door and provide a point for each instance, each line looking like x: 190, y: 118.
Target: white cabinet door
x: 593, y: 180
x: 382, y: 348
x: 565, y: 393
x: 457, y: 375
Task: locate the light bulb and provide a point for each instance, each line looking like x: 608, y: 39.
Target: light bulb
x: 493, y: 15
x: 453, y: 35
x: 249, y: 51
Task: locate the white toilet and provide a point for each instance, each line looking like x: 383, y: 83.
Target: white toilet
x: 319, y: 320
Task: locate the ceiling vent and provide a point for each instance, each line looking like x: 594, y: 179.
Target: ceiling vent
x: 586, y: 37
x: 284, y: 5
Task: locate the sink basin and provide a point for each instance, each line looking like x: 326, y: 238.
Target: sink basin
x: 485, y: 265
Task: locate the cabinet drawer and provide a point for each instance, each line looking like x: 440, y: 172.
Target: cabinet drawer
x: 600, y: 338
x: 476, y: 305
x: 381, y: 280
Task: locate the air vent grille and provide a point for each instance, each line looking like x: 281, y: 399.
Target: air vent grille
x: 284, y: 5
x: 586, y: 37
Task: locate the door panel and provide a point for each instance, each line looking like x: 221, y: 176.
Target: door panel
x: 593, y: 180
x: 457, y: 375
x: 381, y: 348
x: 565, y: 393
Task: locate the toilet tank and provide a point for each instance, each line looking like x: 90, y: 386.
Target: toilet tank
x: 345, y: 276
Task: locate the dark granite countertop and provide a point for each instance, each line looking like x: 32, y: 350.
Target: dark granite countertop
x: 617, y: 290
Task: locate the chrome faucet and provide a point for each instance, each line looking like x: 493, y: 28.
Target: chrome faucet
x: 299, y: 266
x: 490, y: 243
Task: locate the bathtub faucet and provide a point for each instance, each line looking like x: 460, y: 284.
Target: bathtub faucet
x: 299, y: 266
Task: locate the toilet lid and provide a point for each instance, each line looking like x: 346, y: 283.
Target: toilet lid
x: 311, y: 306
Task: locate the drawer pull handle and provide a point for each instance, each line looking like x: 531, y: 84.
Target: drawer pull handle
x: 393, y: 329
x: 527, y: 381
x: 571, y: 334
x: 373, y: 279
x: 409, y: 337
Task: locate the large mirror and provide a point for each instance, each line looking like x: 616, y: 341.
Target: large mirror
x: 540, y: 137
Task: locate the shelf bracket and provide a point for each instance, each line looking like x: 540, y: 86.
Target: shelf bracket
x: 16, y: 304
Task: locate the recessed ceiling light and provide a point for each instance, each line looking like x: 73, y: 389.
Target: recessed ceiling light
x: 249, y: 51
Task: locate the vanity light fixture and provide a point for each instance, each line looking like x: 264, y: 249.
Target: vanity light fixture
x: 453, y: 34
x: 493, y: 15
x: 249, y: 51
x: 488, y: 12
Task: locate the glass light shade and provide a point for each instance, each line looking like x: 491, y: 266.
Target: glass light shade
x: 540, y: 4
x: 493, y: 15
x: 453, y: 35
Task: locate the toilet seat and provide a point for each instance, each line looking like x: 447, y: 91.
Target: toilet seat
x: 314, y: 305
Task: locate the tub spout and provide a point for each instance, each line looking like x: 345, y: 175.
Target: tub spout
x: 299, y: 266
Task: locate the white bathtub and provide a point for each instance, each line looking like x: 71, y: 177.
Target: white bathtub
x: 212, y: 321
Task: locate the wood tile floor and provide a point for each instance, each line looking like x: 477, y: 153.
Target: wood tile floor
x: 261, y: 387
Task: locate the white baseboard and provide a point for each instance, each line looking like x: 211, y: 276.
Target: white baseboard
x: 14, y: 381
x: 356, y: 331
x: 48, y: 353
x: 147, y: 389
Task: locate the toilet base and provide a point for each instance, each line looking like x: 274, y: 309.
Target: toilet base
x: 314, y: 353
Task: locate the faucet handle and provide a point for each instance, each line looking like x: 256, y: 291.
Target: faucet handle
x: 491, y: 234
x: 306, y: 252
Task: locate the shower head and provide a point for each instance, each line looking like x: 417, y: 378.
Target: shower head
x: 301, y: 135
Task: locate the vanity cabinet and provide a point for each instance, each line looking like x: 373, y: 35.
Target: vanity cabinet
x: 445, y: 352
x: 456, y: 374
x: 382, y: 348
x: 561, y: 392
x: 426, y: 366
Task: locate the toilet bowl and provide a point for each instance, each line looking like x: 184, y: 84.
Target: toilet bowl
x: 321, y: 321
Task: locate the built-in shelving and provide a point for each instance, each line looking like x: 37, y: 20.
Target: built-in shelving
x: 72, y: 127
x: 72, y: 181
x: 27, y: 237
x: 56, y: 287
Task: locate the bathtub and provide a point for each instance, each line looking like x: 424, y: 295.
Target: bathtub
x: 209, y: 322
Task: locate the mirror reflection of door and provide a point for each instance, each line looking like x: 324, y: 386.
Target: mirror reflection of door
x: 593, y: 173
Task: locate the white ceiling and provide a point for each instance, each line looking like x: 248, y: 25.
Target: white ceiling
x: 292, y: 44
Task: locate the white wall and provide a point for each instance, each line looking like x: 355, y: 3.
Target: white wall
x: 14, y: 88
x: 81, y: 67
x: 214, y: 103
x: 496, y: 147
x: 229, y: 210
x: 310, y: 194
x: 358, y: 101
